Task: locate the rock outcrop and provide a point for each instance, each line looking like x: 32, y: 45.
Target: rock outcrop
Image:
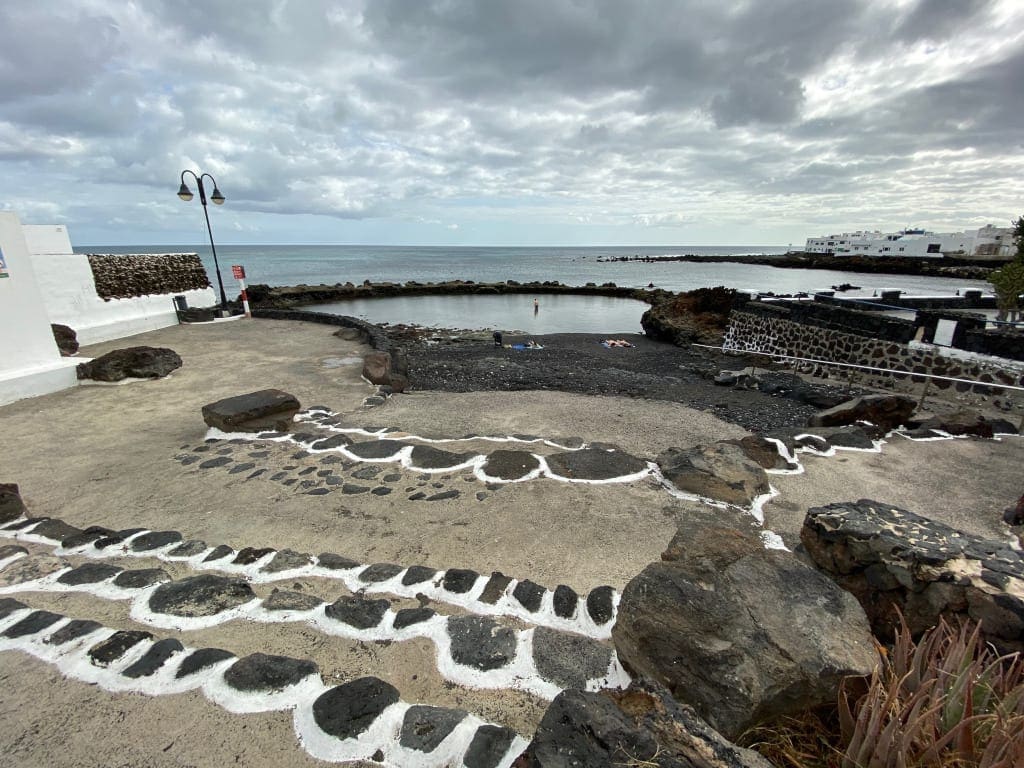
x: 253, y: 412
x: 699, y: 316
x: 131, y: 362
x: 66, y: 338
x: 641, y: 725
x: 884, y: 411
x: 890, y: 558
x: 722, y: 472
x: 963, y: 422
x: 739, y: 632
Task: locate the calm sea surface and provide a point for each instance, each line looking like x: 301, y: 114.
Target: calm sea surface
x: 330, y: 264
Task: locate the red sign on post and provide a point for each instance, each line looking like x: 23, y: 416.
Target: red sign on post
x: 238, y: 271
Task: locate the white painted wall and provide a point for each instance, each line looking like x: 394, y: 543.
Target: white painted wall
x: 30, y: 363
x: 69, y: 293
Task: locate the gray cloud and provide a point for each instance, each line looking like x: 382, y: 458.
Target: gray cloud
x: 654, y: 113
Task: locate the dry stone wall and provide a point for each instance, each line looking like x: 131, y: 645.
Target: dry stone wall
x: 125, y: 276
x: 768, y: 329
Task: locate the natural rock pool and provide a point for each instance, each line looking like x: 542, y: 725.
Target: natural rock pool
x: 554, y: 313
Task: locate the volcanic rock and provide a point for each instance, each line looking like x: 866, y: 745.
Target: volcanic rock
x: 741, y: 633
x: 721, y: 471
x: 66, y: 338
x: 253, y: 412
x: 641, y: 725
x: 204, y: 595
x: 892, y: 558
x: 132, y: 362
x: 884, y: 411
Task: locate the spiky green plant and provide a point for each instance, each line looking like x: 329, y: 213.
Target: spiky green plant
x: 946, y: 701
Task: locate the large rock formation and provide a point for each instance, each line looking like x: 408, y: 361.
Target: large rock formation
x: 253, y: 412
x: 884, y: 411
x: 131, y: 362
x: 642, y: 725
x: 721, y: 471
x: 698, y: 316
x: 741, y: 633
x: 891, y: 558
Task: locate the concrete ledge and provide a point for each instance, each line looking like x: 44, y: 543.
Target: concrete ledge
x: 40, y: 380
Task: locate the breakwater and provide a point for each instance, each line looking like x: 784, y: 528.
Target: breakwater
x: 287, y: 297
x: 944, y: 267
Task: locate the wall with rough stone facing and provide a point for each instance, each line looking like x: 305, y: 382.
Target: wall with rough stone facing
x: 73, y: 298
x: 769, y: 329
x: 129, y: 275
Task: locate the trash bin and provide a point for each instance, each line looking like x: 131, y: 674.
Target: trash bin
x: 180, y: 303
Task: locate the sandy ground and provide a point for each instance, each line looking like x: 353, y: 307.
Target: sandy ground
x: 105, y: 455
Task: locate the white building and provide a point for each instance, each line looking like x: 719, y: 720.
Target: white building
x: 989, y: 242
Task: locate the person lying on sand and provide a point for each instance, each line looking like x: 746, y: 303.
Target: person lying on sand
x: 617, y: 343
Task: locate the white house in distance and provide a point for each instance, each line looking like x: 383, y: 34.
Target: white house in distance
x: 988, y: 243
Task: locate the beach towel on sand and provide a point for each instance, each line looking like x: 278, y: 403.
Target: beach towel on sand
x: 524, y: 346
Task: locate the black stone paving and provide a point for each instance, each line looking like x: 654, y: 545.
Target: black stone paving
x: 141, y: 577
x: 265, y: 673
x: 380, y: 572
x: 35, y: 622
x: 154, y: 658
x: 599, y: 604
x: 73, y: 630
x: 89, y: 573
x: 154, y: 540
x: 285, y: 600
x: 459, y: 580
x: 285, y: 560
x: 495, y: 588
x: 480, y: 643
x: 569, y: 660
x: 594, y: 464
x: 417, y: 574
x: 376, y: 449
x: 565, y: 601
x: 357, y: 611
x: 424, y: 727
x: 202, y: 659
x: 204, y: 595
x: 348, y: 710
x: 9, y: 605
x: 116, y: 646
x: 510, y: 465
x: 489, y: 745
x: 335, y: 562
x: 406, y: 617
x: 529, y: 595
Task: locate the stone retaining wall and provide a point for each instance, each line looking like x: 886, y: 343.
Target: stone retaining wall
x: 770, y: 329
x: 373, y: 334
x: 125, y: 276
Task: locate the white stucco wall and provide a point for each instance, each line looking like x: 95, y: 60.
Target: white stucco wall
x: 30, y: 363
x: 69, y: 292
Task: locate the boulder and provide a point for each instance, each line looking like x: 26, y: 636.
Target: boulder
x: 131, y: 362
x: 377, y: 367
x: 741, y: 633
x: 254, y: 412
x: 722, y: 472
x: 11, y: 505
x: 884, y: 411
x: 641, y: 725
x: 891, y: 558
x: 961, y: 422
x: 1011, y: 516
x: 66, y: 338
x: 762, y: 451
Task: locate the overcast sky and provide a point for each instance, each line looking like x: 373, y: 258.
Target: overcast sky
x: 533, y: 122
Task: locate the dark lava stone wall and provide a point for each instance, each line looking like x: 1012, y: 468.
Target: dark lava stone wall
x: 126, y: 276
x: 773, y: 332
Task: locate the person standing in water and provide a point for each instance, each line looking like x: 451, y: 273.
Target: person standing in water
x: 536, y: 306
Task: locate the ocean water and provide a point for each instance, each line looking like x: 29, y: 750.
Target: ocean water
x: 331, y: 264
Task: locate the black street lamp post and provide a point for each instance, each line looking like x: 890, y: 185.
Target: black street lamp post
x: 218, y: 199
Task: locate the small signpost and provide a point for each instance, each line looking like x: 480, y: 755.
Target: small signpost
x: 238, y: 271
x: 3, y: 266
